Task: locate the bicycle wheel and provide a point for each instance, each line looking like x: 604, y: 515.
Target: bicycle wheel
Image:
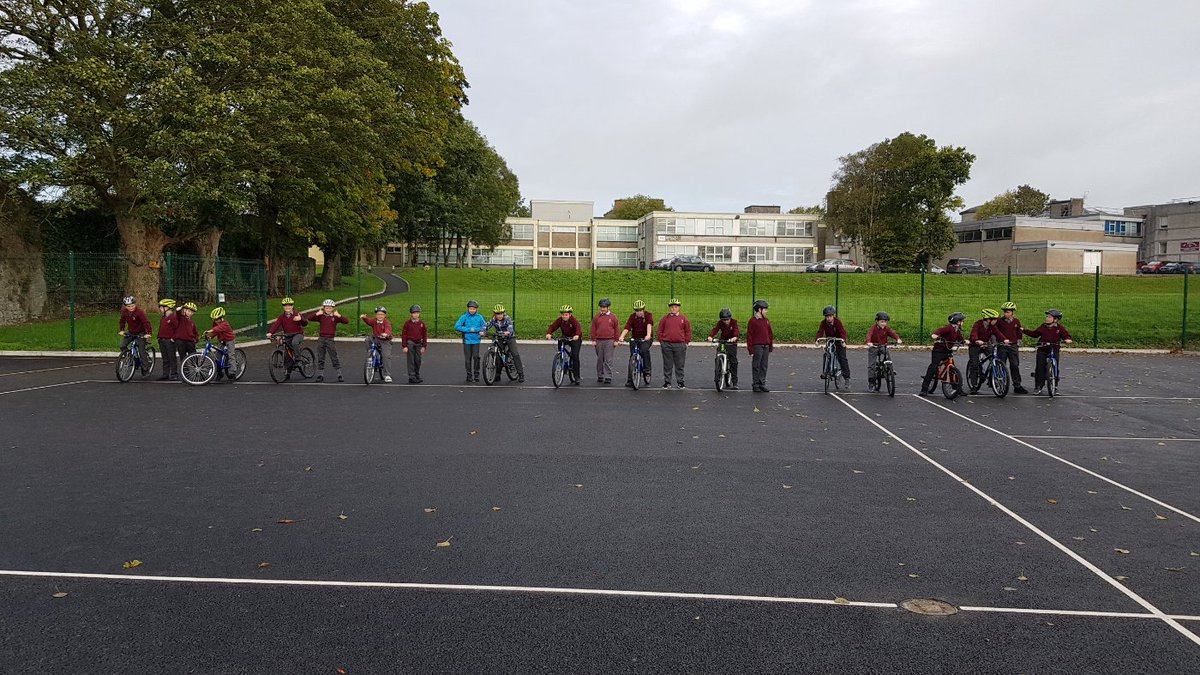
x: 197, y: 369
x: 890, y: 377
x: 125, y: 366
x: 1051, y: 379
x: 510, y: 369
x: 974, y: 374
x: 999, y: 380
x: 369, y: 368
x: 148, y: 360
x: 952, y: 384
x: 826, y: 371
x: 306, y: 362
x: 236, y: 365
x: 491, y: 367
x: 557, y: 370
x: 277, y: 365
x: 635, y: 372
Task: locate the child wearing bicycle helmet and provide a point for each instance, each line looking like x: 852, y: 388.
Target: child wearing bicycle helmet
x: 414, y: 338
x: 760, y: 341
x: 134, y: 327
x: 877, y: 338
x: 831, y: 327
x: 186, y: 335
x: 639, y: 327
x: 292, y: 324
x: 604, y: 331
x: 381, y: 335
x: 983, y: 333
x: 572, y: 330
x: 328, y: 318
x: 1048, y: 335
x: 674, y: 334
x: 504, y: 327
x: 471, y: 325
x: 1008, y: 332
x: 168, y: 325
x: 727, y: 330
x: 222, y: 332
x: 944, y: 340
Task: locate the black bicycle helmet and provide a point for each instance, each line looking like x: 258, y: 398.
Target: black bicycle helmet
x: 472, y: 303
x: 829, y: 310
x: 882, y: 316
x: 726, y: 313
x: 414, y: 308
x: 605, y: 302
x: 1054, y: 313
x: 760, y: 304
x: 957, y: 317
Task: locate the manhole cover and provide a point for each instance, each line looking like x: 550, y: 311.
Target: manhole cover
x: 929, y: 607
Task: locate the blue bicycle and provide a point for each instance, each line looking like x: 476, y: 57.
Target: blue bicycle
x: 990, y: 369
x: 131, y: 360
x: 201, y: 367
x: 563, y: 366
x: 639, y: 374
x: 374, y: 362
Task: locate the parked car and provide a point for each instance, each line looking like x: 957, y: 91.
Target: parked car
x: 935, y: 269
x: 684, y: 263
x: 657, y: 264
x: 966, y: 266
x: 1152, y: 266
x: 1177, y: 268
x: 835, y: 264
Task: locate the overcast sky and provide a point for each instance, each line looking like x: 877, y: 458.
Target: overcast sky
x: 714, y: 105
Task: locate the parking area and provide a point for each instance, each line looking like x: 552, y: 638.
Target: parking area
x: 449, y: 527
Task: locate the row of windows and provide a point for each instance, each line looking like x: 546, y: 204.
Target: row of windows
x: 990, y: 234
x: 616, y: 233
x: 1122, y: 228
x: 748, y: 227
x: 504, y: 256
x: 616, y: 258
x: 562, y: 253
x: 744, y: 254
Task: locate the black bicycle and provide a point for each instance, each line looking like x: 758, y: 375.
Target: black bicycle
x: 989, y: 369
x: 131, y: 359
x: 882, y: 372
x: 284, y: 360
x: 498, y: 359
x: 831, y: 367
x: 1052, y: 371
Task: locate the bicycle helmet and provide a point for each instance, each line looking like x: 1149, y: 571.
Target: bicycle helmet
x: 498, y: 309
x: 472, y: 303
x: 990, y: 314
x: 129, y: 300
x: 674, y: 302
x: 1054, y: 313
x: 167, y: 302
x: 760, y: 304
x: 605, y: 302
x: 329, y: 303
x: 882, y: 316
x: 566, y: 309
x: 381, y: 308
x: 191, y: 305
x: 217, y: 313
x: 829, y: 310
x: 639, y: 304
x: 414, y: 308
x: 1009, y: 306
x: 287, y: 301
x: 957, y: 317
x: 726, y: 313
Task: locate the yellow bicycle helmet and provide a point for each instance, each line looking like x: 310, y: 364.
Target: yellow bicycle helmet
x: 990, y: 314
x: 217, y: 313
x: 191, y: 305
x: 674, y: 302
x: 639, y: 304
x: 167, y: 302
x: 566, y: 308
x: 287, y: 301
x: 498, y: 309
x: 1009, y: 306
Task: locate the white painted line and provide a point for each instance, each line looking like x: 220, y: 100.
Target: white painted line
x: 1069, y: 463
x: 47, y: 370
x: 1114, y: 438
x: 46, y: 386
x: 449, y: 587
x: 1033, y: 528
x: 1076, y: 612
x: 1123, y: 398
x: 60, y: 354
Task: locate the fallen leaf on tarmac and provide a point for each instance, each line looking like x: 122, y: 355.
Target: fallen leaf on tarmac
x: 1020, y: 543
x: 1051, y: 501
x: 473, y: 433
x: 910, y: 499
x: 756, y: 409
x: 723, y: 436
x: 695, y: 407
x: 1092, y: 492
x: 857, y: 471
x: 1194, y: 554
x: 1022, y: 578
x: 430, y: 509
x: 787, y: 487
x: 914, y: 576
x: 1159, y: 516
x: 1012, y: 477
x: 1077, y: 538
x: 1009, y: 588
x: 340, y: 671
x: 1125, y: 508
x: 1121, y: 578
x: 287, y: 521
x: 263, y: 565
x: 445, y: 544
x: 308, y: 468
x: 1122, y: 551
x: 1092, y: 529
x: 579, y: 485
x: 839, y: 600
x: 257, y: 529
x: 495, y: 508
x: 1169, y: 569
x: 60, y: 594
x: 342, y: 516
x: 130, y: 564
x: 901, y: 564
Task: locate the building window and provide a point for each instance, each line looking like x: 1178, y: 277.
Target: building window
x: 795, y: 254
x: 792, y: 228
x: 756, y: 254
x: 1163, y: 222
x: 993, y: 233
x: 611, y: 233
x: 717, y: 227
x: 969, y: 236
x: 522, y: 231
x: 756, y: 228
x: 616, y: 258
x: 672, y: 251
x: 1122, y: 228
x: 395, y: 249
x: 717, y: 253
x: 503, y: 256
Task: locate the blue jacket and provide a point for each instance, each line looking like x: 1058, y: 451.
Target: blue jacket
x: 504, y: 325
x: 468, y: 324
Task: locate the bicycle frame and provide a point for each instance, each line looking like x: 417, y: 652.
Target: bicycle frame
x: 564, y: 348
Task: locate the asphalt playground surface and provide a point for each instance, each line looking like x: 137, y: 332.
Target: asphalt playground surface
x: 597, y: 529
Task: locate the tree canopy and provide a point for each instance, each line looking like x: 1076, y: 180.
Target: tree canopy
x: 1023, y: 201
x: 894, y: 196
x: 632, y: 208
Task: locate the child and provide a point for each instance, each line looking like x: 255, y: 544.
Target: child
x: 982, y: 333
x: 727, y: 328
x: 604, y: 339
x: 877, y: 338
x: 571, y: 330
x: 507, y: 330
x: 1008, y: 331
x: 471, y: 325
x: 222, y: 332
x: 415, y: 338
x: 382, y: 336
x: 639, y: 327
x: 292, y: 324
x: 944, y: 339
x: 831, y: 327
x: 329, y: 318
x: 134, y: 327
x: 674, y: 334
x: 168, y: 326
x: 1049, y: 333
x: 186, y: 335
x: 760, y: 340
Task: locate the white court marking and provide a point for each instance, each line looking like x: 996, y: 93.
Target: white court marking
x: 1069, y: 463
x: 47, y: 370
x: 1112, y: 438
x: 45, y: 386
x: 550, y: 590
x: 1033, y: 528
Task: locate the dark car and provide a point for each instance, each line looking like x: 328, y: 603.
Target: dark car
x: 1177, y: 268
x: 1151, y: 267
x: 966, y: 266
x: 687, y: 263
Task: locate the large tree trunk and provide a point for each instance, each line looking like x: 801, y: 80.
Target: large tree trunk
x: 331, y: 274
x: 207, y: 245
x: 142, y: 245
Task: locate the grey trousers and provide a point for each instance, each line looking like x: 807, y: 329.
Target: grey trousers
x: 762, y: 354
x: 604, y: 357
x: 385, y: 356
x: 414, y: 360
x: 471, y: 356
x: 674, y: 355
x: 327, y: 345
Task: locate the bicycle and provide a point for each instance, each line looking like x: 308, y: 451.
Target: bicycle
x: 990, y: 369
x: 562, y: 364
x: 1052, y: 372
x: 498, y: 358
x: 948, y: 375
x: 200, y: 368
x: 831, y: 367
x: 721, y: 373
x: 130, y: 360
x: 374, y: 361
x: 304, y: 360
x: 882, y: 372
x: 639, y: 375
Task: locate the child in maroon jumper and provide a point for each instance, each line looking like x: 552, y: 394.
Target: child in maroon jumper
x: 134, y: 327
x: 1049, y: 334
x: 186, y: 334
x: 382, y: 336
x: 760, y: 339
x: 831, y: 327
x: 168, y: 325
x: 944, y: 340
x: 729, y: 331
x: 877, y: 338
x: 329, y: 318
x: 292, y: 324
x: 223, y: 333
x: 415, y: 338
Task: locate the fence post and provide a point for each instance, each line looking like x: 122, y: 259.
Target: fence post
x: 514, y: 289
x: 1096, y: 312
x: 435, y: 298
x: 922, y: 325
x: 170, y: 277
x: 262, y: 299
x: 593, y: 303
x: 71, y: 292
x: 837, y: 286
x: 359, y: 324
x: 1009, y: 296
x: 1183, y: 333
x: 753, y: 282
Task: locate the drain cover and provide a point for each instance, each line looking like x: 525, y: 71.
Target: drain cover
x: 929, y: 607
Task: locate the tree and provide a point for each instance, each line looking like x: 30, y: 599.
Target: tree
x: 893, y: 198
x: 1023, y: 201
x: 817, y: 210
x: 521, y: 210
x: 632, y: 208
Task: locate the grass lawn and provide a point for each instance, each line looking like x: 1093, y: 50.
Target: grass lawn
x: 98, y: 331
x: 1133, y: 311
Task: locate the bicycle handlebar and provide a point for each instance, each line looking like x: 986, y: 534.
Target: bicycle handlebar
x: 830, y: 339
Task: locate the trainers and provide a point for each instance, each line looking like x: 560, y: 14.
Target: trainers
x: 925, y: 393
x: 469, y: 380
x: 574, y: 383
x: 1020, y: 390
x: 732, y: 387
x: 666, y: 385
x: 320, y: 377
x: 607, y: 380
x: 1037, y: 392
x: 629, y: 383
x: 387, y: 379
x: 340, y: 378
x: 521, y: 378
x: 681, y: 386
